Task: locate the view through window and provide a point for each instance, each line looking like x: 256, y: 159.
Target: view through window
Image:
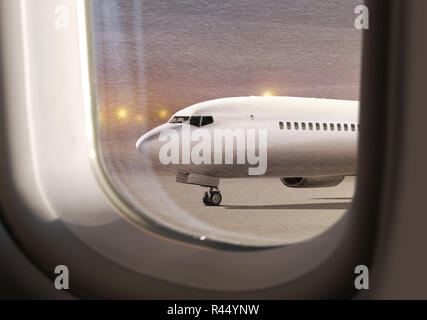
x: 153, y: 59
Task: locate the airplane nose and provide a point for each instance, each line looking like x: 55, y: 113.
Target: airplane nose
x: 146, y: 144
x: 149, y: 145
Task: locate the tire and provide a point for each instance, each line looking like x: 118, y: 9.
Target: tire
x: 215, y: 198
x: 206, y: 199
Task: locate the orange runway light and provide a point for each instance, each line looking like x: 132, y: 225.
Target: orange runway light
x: 122, y: 113
x: 267, y: 94
x: 139, y: 118
x: 163, y: 114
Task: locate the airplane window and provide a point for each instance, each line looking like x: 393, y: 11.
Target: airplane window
x: 179, y: 119
x: 154, y: 59
x: 353, y: 127
x: 332, y: 127
x: 207, y: 120
x: 339, y: 127
x: 346, y: 127
x: 195, y: 121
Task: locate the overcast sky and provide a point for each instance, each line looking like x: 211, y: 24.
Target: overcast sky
x: 165, y: 55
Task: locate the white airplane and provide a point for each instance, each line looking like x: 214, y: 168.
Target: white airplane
x: 306, y: 142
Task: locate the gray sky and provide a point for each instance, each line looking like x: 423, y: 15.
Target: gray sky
x: 166, y: 55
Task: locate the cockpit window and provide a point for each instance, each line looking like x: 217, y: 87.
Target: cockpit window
x: 179, y: 119
x: 195, y: 121
x: 207, y: 120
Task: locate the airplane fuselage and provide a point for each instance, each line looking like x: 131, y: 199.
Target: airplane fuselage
x: 303, y: 137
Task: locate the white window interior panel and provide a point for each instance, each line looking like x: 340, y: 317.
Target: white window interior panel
x: 59, y: 195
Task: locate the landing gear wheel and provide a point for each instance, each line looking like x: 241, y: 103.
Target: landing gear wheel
x: 206, y: 199
x: 215, y: 198
x: 212, y: 198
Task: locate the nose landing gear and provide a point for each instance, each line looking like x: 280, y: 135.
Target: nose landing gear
x: 212, y: 198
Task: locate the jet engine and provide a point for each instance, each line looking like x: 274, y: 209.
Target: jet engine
x: 312, y: 182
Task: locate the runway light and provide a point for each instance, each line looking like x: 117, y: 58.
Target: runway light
x: 122, y: 113
x: 139, y: 118
x: 163, y: 114
x: 267, y: 94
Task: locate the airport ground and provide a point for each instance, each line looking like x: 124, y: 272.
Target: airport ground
x: 254, y: 211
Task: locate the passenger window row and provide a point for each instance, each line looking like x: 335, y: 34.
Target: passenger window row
x: 317, y: 126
